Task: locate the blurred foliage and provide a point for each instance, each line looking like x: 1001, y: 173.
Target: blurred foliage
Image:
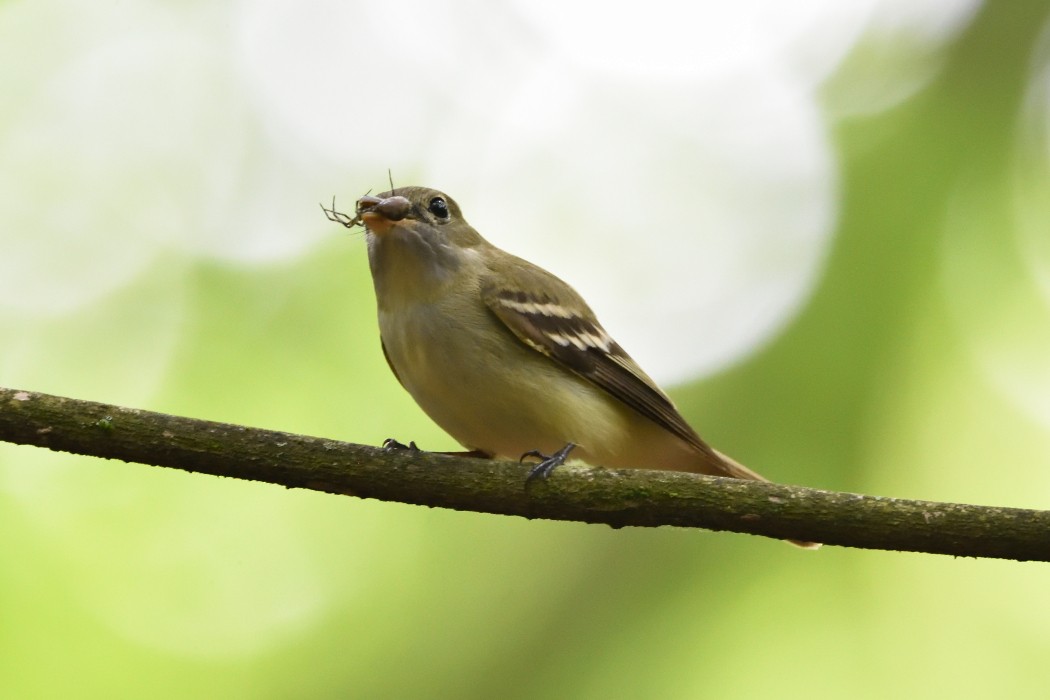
x: 124, y: 581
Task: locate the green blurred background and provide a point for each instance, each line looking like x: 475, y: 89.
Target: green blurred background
x: 846, y: 211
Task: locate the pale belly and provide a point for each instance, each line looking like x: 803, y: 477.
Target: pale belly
x: 490, y: 391
x: 465, y: 385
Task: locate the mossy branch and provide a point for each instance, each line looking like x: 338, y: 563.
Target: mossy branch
x: 614, y: 497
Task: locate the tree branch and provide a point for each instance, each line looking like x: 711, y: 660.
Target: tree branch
x: 615, y: 497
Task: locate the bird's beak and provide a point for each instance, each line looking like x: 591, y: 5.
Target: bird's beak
x: 380, y: 215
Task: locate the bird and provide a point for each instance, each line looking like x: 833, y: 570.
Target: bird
x: 506, y: 357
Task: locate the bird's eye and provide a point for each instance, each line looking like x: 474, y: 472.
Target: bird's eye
x: 438, y: 207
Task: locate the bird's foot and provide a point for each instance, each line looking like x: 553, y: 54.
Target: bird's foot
x: 547, y: 463
x: 392, y: 444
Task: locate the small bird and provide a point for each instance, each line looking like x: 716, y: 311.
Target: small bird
x: 506, y: 357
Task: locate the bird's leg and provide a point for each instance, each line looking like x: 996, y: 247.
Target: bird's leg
x: 547, y: 462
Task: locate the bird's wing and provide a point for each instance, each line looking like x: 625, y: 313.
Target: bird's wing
x: 558, y: 323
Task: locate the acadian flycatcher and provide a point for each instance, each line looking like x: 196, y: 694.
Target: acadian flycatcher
x: 506, y: 357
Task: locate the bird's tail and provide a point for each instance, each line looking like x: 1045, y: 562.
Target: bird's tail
x: 732, y: 468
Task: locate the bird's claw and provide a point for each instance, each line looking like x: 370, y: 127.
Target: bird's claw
x: 392, y: 444
x: 547, y: 463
